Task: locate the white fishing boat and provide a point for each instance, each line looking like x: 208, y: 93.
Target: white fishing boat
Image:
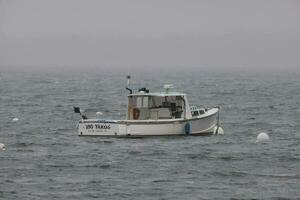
x: 164, y: 113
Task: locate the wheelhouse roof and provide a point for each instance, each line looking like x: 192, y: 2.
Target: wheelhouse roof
x: 157, y: 94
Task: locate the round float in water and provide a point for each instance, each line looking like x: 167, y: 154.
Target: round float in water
x: 99, y: 113
x: 2, y: 146
x: 262, y: 137
x: 15, y: 119
x: 218, y: 130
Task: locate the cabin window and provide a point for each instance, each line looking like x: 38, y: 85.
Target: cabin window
x: 142, y: 102
x: 145, y: 102
x: 195, y: 113
x: 166, y: 107
x: 202, y: 112
x: 139, y: 102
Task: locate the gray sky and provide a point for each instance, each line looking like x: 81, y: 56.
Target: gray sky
x: 241, y: 34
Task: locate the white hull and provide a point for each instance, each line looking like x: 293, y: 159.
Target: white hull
x: 203, y: 124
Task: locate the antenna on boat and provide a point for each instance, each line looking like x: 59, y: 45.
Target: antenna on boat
x: 128, y: 83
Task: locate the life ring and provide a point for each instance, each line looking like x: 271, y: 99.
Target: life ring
x: 136, y: 113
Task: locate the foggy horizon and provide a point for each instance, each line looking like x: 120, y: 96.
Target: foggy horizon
x: 79, y: 35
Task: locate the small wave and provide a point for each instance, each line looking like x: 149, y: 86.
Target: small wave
x: 24, y: 144
x: 285, y: 176
x: 162, y: 181
x: 94, y: 182
x: 134, y: 152
x: 107, y: 141
x: 230, y: 173
x: 272, y: 107
x: 251, y: 118
x: 282, y: 198
x: 243, y: 174
x: 102, y: 166
x: 225, y: 93
x: 60, y: 165
x: 29, y: 104
x: 227, y: 158
x: 204, y: 155
x: 97, y: 165
x: 9, y: 181
x: 154, y: 153
x: 42, y: 81
x: 245, y: 199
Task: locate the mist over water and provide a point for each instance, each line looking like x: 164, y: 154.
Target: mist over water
x: 240, y: 55
x: 174, y: 34
x: 45, y: 159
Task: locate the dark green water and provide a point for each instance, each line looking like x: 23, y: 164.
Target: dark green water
x: 45, y: 159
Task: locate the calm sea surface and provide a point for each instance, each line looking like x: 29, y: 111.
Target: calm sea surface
x: 45, y: 159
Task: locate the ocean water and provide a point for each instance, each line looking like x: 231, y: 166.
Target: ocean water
x: 45, y: 159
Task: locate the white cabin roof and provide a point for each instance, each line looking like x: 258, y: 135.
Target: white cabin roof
x: 158, y: 94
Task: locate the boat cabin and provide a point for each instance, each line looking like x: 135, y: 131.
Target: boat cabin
x: 157, y: 106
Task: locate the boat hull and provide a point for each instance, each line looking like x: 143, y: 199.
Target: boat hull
x: 201, y: 125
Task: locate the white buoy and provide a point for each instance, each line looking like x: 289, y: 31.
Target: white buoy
x: 262, y: 137
x: 15, y: 119
x: 99, y: 113
x: 2, y: 146
x: 218, y: 130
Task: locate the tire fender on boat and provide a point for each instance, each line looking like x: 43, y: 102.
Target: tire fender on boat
x: 187, y: 128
